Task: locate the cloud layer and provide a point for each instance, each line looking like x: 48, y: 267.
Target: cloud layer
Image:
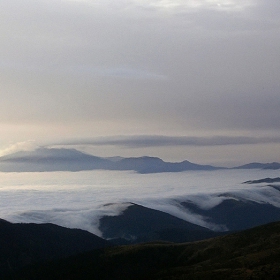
x: 79, y: 199
x: 96, y: 68
x: 159, y: 141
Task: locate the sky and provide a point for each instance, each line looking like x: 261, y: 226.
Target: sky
x: 196, y: 80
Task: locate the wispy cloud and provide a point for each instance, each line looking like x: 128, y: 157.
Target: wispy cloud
x: 89, y: 70
x: 117, y: 72
x: 20, y: 146
x: 159, y: 141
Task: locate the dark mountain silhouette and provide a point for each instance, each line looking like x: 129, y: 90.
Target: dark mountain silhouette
x: 141, y: 224
x: 251, y: 254
x: 237, y: 215
x: 23, y: 244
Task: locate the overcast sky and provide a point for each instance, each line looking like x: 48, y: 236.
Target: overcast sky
x: 196, y: 80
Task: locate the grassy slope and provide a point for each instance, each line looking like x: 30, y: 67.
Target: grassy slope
x: 252, y: 254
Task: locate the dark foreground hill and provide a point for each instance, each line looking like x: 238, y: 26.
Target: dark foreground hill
x: 23, y: 244
x: 252, y: 254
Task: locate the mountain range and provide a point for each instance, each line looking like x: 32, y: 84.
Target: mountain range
x: 53, y: 159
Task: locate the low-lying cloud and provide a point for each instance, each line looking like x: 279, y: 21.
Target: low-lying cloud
x: 79, y: 199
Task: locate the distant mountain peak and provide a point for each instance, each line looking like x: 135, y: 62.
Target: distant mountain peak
x: 64, y: 159
x: 258, y: 165
x: 43, y: 152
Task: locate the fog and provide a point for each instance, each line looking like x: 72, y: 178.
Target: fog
x: 79, y: 199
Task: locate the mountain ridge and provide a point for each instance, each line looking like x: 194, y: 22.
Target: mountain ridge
x: 61, y: 159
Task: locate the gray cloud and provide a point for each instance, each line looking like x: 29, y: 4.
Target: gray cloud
x: 95, y: 68
x: 159, y: 141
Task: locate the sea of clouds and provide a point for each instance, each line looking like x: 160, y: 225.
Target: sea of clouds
x: 79, y: 199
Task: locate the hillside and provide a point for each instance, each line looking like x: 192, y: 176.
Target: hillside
x: 237, y: 214
x: 23, y: 244
x: 141, y: 224
x: 251, y: 254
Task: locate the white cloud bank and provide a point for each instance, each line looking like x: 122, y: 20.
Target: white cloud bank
x: 78, y: 200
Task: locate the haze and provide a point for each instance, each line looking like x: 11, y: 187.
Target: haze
x: 196, y: 80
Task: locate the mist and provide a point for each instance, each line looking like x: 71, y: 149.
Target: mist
x: 79, y: 199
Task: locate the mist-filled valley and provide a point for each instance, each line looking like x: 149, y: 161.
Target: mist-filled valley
x: 58, y: 225
x: 80, y: 199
